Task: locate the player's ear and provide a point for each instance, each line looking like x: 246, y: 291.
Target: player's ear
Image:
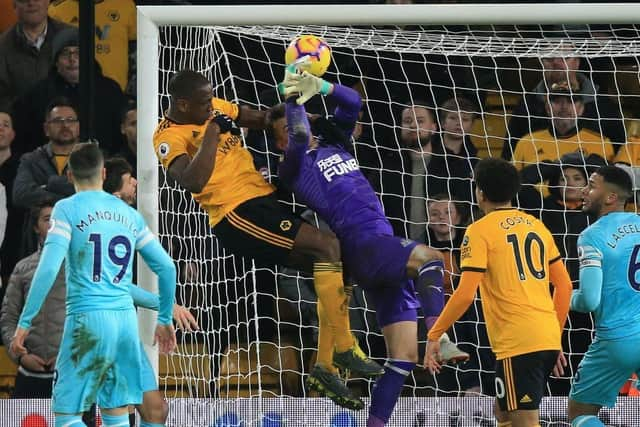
x: 104, y: 173
x: 182, y: 105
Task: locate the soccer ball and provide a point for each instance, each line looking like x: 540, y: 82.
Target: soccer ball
x: 312, y: 47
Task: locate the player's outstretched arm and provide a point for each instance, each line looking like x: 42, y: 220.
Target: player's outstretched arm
x: 459, y: 302
x: 162, y: 265
x: 181, y: 315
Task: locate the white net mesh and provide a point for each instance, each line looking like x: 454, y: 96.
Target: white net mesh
x: 259, y: 325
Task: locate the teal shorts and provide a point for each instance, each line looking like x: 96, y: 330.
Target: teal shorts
x: 606, y: 366
x: 149, y: 378
x: 99, y: 362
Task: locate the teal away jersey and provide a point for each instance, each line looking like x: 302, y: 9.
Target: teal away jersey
x: 102, y: 234
x: 613, y: 243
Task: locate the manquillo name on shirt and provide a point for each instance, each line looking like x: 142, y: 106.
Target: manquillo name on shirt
x: 621, y: 232
x: 107, y: 216
x: 336, y: 165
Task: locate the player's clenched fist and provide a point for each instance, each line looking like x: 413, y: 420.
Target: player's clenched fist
x: 225, y: 124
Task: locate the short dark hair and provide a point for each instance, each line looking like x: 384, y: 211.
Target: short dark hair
x: 35, y: 210
x: 115, y: 168
x: 619, y: 179
x: 59, y: 101
x: 85, y: 161
x: 460, y: 104
x: 184, y: 83
x: 497, y: 179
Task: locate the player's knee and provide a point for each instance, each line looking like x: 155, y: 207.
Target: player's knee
x: 408, y: 353
x: 328, y: 249
x: 421, y: 255
x: 154, y: 409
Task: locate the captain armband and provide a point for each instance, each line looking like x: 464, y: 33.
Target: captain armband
x: 589, y: 256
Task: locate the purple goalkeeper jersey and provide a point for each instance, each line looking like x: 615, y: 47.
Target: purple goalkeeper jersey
x: 328, y: 178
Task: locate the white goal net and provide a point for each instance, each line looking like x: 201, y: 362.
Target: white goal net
x: 258, y: 325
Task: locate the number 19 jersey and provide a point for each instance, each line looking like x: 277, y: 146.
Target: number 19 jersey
x: 101, y: 233
x: 514, y: 250
x: 613, y: 243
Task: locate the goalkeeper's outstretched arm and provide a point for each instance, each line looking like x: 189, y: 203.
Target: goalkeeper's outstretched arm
x: 299, y: 134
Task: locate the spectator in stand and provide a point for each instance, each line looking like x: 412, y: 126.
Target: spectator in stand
x: 9, y: 253
x: 25, y: 49
x: 42, y: 172
x: 403, y: 171
x: 561, y: 210
x: 115, y: 22
x: 447, y: 222
x: 35, y: 369
x: 63, y: 80
x: 566, y: 105
x: 601, y: 113
x: 453, y: 155
x: 129, y: 131
x: 120, y: 180
x: 3, y: 214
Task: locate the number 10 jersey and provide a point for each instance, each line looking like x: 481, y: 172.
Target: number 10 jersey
x: 514, y: 250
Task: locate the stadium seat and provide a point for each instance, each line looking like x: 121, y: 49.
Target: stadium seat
x: 488, y: 134
x: 500, y: 102
x: 8, y: 371
x: 186, y: 372
x: 278, y: 373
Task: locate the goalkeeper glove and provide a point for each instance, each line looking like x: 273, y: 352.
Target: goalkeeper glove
x: 225, y: 124
x: 306, y: 84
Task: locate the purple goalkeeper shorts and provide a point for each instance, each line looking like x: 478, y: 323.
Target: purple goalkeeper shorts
x: 378, y: 263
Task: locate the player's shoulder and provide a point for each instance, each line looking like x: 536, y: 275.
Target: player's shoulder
x: 594, y: 233
x: 169, y: 131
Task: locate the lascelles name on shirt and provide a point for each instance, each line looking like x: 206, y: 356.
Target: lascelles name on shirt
x: 335, y: 165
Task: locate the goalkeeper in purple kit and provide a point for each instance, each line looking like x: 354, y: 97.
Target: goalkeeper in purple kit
x: 398, y: 274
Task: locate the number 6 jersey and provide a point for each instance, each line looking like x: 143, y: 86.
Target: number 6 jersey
x: 514, y: 250
x: 612, y: 244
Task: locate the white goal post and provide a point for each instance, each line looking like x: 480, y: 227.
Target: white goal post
x: 295, y: 17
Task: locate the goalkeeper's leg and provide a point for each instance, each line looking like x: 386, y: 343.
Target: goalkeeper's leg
x: 402, y: 353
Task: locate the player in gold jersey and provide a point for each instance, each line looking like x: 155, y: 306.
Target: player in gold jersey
x: 200, y: 146
x: 511, y: 256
